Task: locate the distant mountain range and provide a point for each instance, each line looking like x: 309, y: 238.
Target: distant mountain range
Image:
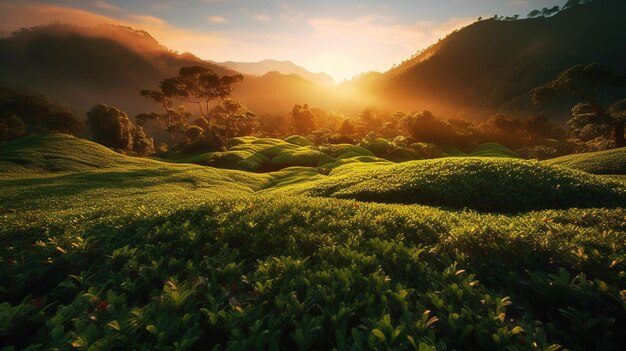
x: 485, y: 68
x: 84, y: 66
x: 285, y: 67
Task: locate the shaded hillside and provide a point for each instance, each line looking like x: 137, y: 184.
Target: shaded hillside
x: 84, y: 66
x: 285, y: 67
x: 490, y: 65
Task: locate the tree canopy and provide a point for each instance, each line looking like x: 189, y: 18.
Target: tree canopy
x: 112, y: 127
x: 600, y: 93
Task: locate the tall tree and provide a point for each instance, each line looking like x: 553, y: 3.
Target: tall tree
x: 302, y: 119
x: 173, y: 121
x: 203, y: 87
x: 233, y: 117
x: 111, y: 127
x: 370, y: 121
x: 423, y: 126
x: 596, y: 87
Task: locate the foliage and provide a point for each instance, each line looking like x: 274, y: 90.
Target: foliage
x: 234, y: 118
x: 378, y: 146
x: 112, y: 127
x: 493, y: 150
x: 22, y: 113
x: 424, y: 127
x: 601, y: 162
x: 488, y: 184
x: 11, y: 127
x: 201, y: 86
x: 593, y: 85
x: 519, y: 132
x: 302, y: 119
x: 90, y: 261
x: 292, y: 272
x: 298, y: 140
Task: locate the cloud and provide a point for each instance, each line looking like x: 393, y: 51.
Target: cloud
x: 103, y: 5
x: 262, y: 18
x: 217, y: 19
x: 147, y: 20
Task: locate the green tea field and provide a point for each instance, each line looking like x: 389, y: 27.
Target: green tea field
x: 334, y: 249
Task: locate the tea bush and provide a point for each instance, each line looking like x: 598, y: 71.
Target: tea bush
x: 141, y: 254
x: 599, y: 162
x: 490, y: 184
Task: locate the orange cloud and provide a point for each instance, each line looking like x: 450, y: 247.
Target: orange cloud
x: 216, y: 19
x: 106, y: 6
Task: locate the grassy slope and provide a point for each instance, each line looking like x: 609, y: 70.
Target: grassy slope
x: 600, y: 162
x: 192, y: 256
x: 60, y: 175
x: 490, y: 184
x: 268, y: 154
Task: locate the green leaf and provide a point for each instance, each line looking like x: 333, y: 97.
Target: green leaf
x: 379, y: 334
x: 152, y: 329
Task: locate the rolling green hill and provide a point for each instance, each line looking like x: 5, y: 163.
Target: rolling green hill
x: 601, y: 162
x: 105, y: 251
x: 491, y: 184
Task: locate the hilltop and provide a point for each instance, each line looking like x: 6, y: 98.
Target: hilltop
x: 490, y: 65
x: 497, y: 184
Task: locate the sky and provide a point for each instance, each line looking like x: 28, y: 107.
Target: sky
x: 342, y: 38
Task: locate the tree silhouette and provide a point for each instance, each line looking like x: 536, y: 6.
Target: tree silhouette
x: 572, y: 3
x: 423, y: 126
x: 347, y: 127
x: 370, y: 121
x: 534, y: 13
x: 593, y: 85
x: 302, y: 119
x: 194, y: 133
x: 63, y: 122
x: 111, y: 127
x: 233, y: 116
x: 11, y: 127
x: 203, y: 87
x: 143, y: 145
x: 171, y: 120
x: 546, y: 12
x: 35, y: 113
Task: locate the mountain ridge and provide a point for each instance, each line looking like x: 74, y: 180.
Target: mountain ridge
x: 490, y: 65
x: 262, y: 67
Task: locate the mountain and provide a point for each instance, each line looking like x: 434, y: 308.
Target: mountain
x: 490, y: 65
x: 285, y: 67
x: 83, y: 66
x: 485, y: 68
